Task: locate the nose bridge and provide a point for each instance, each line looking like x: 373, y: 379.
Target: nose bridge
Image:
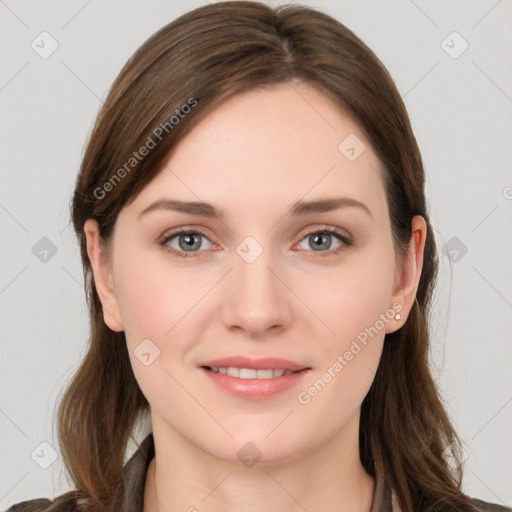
x: 256, y: 299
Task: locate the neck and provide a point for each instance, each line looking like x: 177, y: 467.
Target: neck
x: 330, y: 477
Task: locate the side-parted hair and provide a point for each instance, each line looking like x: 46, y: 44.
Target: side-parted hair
x: 173, y: 80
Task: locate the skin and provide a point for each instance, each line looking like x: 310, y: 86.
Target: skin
x: 253, y: 157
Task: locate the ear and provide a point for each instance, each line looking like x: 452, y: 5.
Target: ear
x: 103, y: 278
x: 408, y: 273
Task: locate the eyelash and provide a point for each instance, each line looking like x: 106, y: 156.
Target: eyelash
x: 347, y: 242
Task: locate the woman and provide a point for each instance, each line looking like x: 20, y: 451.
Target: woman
x: 259, y: 265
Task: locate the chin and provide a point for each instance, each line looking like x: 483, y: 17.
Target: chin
x: 257, y: 447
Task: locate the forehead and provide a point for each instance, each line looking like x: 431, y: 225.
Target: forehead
x: 276, y: 145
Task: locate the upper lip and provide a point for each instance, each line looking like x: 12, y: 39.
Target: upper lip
x: 264, y: 363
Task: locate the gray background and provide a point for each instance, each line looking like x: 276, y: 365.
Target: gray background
x: 460, y: 109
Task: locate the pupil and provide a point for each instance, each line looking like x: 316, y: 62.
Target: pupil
x: 190, y: 242
x: 318, y: 237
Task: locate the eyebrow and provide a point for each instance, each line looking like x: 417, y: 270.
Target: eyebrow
x: 300, y: 208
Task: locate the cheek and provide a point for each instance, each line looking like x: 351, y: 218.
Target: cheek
x: 354, y: 297
x: 164, y: 305
x: 153, y: 297
x: 157, y: 304
x: 356, y: 313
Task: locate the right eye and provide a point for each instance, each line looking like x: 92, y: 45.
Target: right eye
x: 186, y: 239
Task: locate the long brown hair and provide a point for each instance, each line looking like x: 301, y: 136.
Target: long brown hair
x: 202, y: 58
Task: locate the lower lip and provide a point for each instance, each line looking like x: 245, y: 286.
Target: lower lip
x: 255, y: 389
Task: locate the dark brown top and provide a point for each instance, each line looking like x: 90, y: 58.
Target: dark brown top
x: 136, y: 468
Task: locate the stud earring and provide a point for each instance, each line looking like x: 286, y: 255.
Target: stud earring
x: 398, y: 316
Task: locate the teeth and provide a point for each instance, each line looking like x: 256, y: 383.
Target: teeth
x: 234, y: 372
x: 250, y: 373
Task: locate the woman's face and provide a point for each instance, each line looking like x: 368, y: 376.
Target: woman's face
x: 265, y: 278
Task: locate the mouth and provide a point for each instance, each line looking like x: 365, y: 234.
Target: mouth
x: 254, y: 379
x: 247, y: 368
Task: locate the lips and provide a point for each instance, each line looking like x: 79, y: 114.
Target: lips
x: 254, y: 379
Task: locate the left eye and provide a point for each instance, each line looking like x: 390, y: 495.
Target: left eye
x: 320, y: 239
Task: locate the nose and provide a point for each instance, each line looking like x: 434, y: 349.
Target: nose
x: 256, y: 299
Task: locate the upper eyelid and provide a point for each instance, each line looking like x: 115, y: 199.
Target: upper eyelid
x: 166, y: 237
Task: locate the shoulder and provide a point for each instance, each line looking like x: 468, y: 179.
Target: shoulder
x: 43, y: 505
x: 486, y: 506
x: 134, y: 476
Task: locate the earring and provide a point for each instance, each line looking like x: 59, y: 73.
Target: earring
x: 398, y: 316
